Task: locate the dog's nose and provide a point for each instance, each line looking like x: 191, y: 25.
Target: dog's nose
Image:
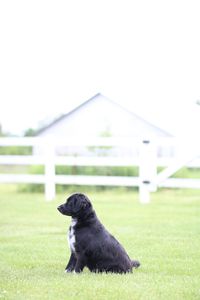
x: 59, y: 207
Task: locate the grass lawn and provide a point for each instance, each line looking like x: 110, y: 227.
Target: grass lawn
x: 164, y: 235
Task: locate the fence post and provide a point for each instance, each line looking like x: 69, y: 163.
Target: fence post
x: 147, y: 170
x: 50, y: 187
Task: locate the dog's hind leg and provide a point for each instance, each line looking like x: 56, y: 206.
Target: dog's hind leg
x: 71, y: 264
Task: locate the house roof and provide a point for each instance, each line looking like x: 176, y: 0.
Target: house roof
x: 64, y: 116
x: 179, y: 119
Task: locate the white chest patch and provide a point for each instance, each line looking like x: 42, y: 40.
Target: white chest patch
x: 71, y: 235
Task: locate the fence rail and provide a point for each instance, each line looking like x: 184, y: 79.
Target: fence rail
x: 147, y: 162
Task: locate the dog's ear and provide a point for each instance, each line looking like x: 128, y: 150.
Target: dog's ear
x: 86, y: 203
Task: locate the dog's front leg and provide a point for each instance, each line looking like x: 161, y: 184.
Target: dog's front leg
x: 71, y: 264
x: 80, y: 264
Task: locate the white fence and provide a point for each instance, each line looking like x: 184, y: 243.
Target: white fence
x: 147, y: 161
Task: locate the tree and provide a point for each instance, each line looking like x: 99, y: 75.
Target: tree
x: 30, y: 132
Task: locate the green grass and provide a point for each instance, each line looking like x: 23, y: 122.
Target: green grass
x: 164, y: 236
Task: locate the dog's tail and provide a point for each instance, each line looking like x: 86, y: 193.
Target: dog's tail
x: 135, y: 264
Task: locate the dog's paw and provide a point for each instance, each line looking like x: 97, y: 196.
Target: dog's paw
x: 68, y: 270
x: 135, y: 264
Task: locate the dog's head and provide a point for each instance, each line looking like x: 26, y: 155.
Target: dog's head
x: 76, y: 205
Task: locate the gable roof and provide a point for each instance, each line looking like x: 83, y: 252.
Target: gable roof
x: 64, y: 116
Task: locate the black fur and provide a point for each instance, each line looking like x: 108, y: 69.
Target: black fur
x: 94, y: 246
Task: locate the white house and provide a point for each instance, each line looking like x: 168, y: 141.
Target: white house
x: 100, y: 116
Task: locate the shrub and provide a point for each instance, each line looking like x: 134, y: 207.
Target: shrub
x: 16, y: 150
x: 77, y: 170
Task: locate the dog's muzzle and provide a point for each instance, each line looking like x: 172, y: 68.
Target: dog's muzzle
x: 60, y: 209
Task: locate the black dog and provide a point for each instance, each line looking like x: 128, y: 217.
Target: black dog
x: 90, y: 243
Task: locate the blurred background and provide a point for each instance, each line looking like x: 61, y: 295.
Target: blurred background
x: 55, y: 55
x: 92, y: 69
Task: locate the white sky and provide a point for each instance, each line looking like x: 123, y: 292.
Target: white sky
x: 56, y: 54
